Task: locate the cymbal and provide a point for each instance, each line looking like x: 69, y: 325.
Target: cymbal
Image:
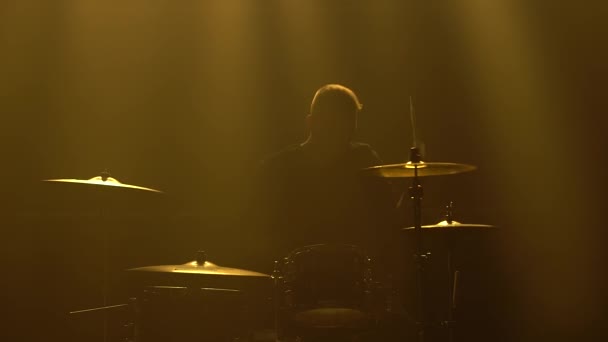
x: 454, y: 226
x: 206, y: 268
x: 99, y: 181
x: 407, y: 170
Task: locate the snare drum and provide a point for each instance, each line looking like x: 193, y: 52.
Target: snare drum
x: 326, y: 286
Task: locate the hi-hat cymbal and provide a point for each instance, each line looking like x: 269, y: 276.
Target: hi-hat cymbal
x: 407, y: 170
x: 206, y: 268
x: 454, y: 226
x: 100, y: 181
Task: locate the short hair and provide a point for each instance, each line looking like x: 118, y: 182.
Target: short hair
x: 334, y: 97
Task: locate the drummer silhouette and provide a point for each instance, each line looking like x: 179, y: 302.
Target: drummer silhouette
x: 314, y: 193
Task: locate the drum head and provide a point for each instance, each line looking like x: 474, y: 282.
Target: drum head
x: 330, y: 318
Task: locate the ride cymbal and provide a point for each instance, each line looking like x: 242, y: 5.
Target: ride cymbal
x: 408, y: 170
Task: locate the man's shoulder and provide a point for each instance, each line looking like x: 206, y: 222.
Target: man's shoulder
x: 361, y: 147
x: 284, y: 156
x: 365, y: 154
x: 361, y: 153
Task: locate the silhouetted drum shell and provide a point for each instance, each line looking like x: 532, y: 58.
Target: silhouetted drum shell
x: 326, y: 286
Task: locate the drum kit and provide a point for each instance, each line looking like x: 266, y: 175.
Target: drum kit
x: 321, y: 291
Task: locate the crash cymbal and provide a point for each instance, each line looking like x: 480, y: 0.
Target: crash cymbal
x: 206, y: 268
x: 453, y: 226
x: 407, y: 170
x: 102, y: 181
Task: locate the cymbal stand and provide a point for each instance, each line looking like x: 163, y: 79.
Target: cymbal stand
x: 276, y: 299
x: 106, y: 267
x: 102, y: 200
x: 452, y: 279
x: 420, y: 257
x: 453, y: 276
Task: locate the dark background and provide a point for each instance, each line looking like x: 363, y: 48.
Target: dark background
x: 186, y: 96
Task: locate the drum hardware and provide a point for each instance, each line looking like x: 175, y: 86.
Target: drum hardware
x: 276, y: 299
x: 102, y: 308
x: 420, y: 257
x: 203, y: 278
x: 451, y: 230
x: 103, y: 181
x: 206, y: 269
x: 125, y: 330
x: 416, y: 168
x: 201, y: 301
x: 103, y: 185
x: 452, y: 278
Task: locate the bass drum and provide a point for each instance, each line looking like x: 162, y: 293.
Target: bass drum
x: 326, y: 287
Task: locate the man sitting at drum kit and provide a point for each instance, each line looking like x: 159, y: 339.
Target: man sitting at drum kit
x: 315, y: 202
x: 314, y: 192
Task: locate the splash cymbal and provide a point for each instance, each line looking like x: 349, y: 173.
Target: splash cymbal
x: 103, y: 181
x: 407, y: 170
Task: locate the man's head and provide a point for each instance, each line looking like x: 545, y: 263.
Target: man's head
x: 333, y: 115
